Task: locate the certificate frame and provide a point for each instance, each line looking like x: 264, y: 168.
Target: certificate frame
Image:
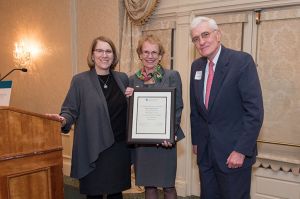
x: 151, y: 116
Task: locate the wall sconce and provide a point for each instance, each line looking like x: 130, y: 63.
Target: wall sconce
x: 25, y: 52
x: 257, y: 16
x: 22, y: 55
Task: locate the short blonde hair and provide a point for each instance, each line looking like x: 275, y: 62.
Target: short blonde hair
x: 151, y: 39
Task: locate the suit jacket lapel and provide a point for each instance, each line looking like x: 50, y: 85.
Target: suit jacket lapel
x: 199, y: 85
x: 219, y: 76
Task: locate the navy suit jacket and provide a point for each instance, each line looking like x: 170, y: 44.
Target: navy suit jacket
x: 235, y: 110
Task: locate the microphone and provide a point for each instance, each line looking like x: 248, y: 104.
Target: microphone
x: 21, y: 69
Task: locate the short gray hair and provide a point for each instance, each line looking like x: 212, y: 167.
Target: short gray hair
x: 199, y: 20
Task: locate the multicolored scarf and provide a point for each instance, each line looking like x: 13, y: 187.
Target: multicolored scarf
x: 157, y: 74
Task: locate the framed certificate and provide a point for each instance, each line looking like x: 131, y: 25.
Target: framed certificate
x: 151, y: 116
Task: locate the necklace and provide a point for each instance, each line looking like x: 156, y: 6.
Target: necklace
x: 105, y: 83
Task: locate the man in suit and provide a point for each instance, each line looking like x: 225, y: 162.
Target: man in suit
x: 226, y: 114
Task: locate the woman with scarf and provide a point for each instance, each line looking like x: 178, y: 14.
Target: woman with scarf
x: 155, y: 165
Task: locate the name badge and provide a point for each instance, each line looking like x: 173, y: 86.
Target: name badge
x: 198, y: 75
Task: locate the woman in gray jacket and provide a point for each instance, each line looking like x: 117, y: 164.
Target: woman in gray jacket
x: 95, y: 101
x: 155, y: 166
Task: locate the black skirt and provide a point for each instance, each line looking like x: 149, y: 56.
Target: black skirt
x: 112, y: 173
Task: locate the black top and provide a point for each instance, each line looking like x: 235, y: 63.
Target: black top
x: 112, y: 168
x: 117, y: 105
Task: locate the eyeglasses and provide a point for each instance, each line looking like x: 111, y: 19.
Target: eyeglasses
x: 204, y: 36
x: 101, y: 51
x: 148, y: 53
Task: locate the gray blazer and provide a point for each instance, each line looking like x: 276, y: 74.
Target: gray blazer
x: 85, y: 106
x: 171, y: 78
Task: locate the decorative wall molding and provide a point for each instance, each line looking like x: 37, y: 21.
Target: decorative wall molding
x: 204, y: 7
x: 277, y: 165
x: 267, y: 183
x: 227, y: 18
x: 276, y: 14
x: 278, y: 157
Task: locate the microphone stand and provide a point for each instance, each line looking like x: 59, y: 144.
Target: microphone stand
x: 21, y: 69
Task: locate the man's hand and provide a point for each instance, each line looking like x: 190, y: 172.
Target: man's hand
x: 235, y: 160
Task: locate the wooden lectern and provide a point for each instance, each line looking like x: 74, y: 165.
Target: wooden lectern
x: 30, y: 156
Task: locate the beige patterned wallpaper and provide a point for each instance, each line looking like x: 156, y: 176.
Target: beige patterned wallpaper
x: 48, y: 25
x: 63, y: 30
x: 95, y: 18
x: 232, y: 35
x: 278, y: 61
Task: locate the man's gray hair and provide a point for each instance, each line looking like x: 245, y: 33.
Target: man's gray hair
x: 199, y: 20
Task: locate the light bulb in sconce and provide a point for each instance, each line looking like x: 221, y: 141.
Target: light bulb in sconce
x: 24, y: 52
x: 22, y: 55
